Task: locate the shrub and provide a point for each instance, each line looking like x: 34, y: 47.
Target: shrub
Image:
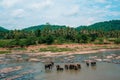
x: 117, y: 41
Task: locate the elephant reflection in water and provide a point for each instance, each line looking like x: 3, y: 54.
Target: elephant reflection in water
x: 93, y: 65
x: 59, y: 68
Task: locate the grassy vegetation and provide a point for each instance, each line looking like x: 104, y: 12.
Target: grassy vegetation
x: 55, y: 49
x: 19, y: 49
x: 117, y: 41
x: 63, y: 48
x: 5, y: 52
x: 5, y: 43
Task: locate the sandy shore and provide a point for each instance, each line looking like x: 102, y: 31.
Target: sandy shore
x: 53, y: 54
x: 77, y: 49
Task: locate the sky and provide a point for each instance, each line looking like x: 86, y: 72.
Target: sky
x: 18, y: 14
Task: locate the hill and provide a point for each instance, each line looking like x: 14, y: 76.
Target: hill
x: 104, y: 26
x: 42, y: 27
x: 3, y: 29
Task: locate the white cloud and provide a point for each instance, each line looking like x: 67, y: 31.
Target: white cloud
x: 41, y: 5
x: 108, y: 6
x: 18, y: 13
x: 101, y: 1
x: 64, y: 12
x: 114, y: 13
x: 9, y: 3
x: 72, y: 11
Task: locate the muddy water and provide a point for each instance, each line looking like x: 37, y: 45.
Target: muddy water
x: 103, y: 71
x: 36, y: 71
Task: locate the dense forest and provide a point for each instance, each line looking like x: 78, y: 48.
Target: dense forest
x: 107, y: 32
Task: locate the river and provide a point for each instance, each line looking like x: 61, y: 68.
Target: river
x: 103, y: 70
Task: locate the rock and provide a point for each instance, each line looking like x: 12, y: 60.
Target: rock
x: 10, y: 69
x: 13, y: 56
x: 18, y: 56
x: 20, y: 59
x: 109, y: 57
x: 106, y: 60
x: 71, y: 57
x: 19, y: 76
x: 1, y: 61
x: 34, y: 60
x: 114, y: 55
x: 93, y: 57
x: 14, y: 77
x: 98, y: 60
x: 2, y: 57
x: 118, y: 57
x: 2, y: 75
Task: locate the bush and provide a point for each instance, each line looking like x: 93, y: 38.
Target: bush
x: 85, y: 38
x: 5, y: 52
x: 59, y: 40
x: 99, y: 41
x: 4, y: 43
x: 55, y: 49
x: 117, y: 41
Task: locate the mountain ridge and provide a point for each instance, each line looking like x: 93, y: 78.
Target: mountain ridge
x: 3, y: 29
x: 104, y: 26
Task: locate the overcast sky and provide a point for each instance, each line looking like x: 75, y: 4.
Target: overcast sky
x: 18, y: 14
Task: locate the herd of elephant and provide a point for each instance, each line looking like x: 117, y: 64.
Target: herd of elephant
x: 72, y: 66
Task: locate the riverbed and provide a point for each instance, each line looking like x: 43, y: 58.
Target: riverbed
x: 27, y: 67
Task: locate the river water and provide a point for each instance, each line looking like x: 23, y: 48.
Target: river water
x: 35, y: 70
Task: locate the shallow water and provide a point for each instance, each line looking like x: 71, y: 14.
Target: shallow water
x: 36, y: 71
x: 103, y: 71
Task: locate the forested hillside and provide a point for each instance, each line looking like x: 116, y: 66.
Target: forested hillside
x: 42, y: 27
x: 103, y: 26
x: 107, y: 32
x: 3, y: 29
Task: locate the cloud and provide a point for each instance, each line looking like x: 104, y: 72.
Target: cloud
x: 108, y: 6
x: 114, y: 13
x: 101, y: 1
x: 9, y: 3
x: 41, y: 5
x: 23, y: 13
x: 18, y: 13
x: 72, y: 11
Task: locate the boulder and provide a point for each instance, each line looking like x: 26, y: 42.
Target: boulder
x: 34, y: 60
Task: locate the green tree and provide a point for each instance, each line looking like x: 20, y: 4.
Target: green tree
x: 117, y: 41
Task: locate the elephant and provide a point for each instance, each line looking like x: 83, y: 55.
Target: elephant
x: 49, y: 66
x: 59, y: 68
x: 74, y: 66
x: 93, y: 63
x: 71, y: 66
x: 87, y: 63
x: 66, y: 66
x: 79, y: 66
x: 52, y: 63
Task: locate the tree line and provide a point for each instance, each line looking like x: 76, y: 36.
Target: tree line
x: 58, y: 35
